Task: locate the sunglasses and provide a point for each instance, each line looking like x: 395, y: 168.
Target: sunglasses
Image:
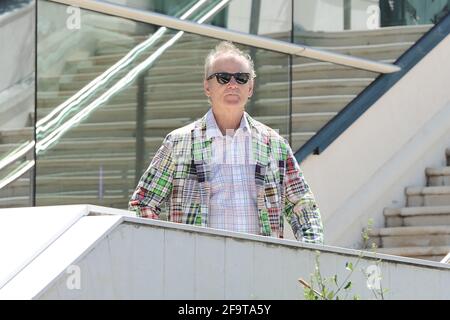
x: 225, y: 77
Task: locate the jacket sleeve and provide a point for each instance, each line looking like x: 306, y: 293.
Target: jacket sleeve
x: 155, y: 184
x: 301, y: 210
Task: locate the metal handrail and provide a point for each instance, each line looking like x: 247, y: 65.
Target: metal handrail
x: 238, y: 37
x: 446, y: 259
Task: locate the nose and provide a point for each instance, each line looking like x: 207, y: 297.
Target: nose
x: 232, y: 82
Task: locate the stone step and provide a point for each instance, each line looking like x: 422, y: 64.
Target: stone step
x: 428, y: 196
x: 360, y: 37
x: 66, y: 183
x: 157, y: 127
x: 313, y: 70
x: 417, y: 216
x: 421, y: 236
x: 277, y: 106
x: 161, y: 92
x: 317, y: 87
x: 331, y: 103
x: 171, y: 74
x: 301, y: 122
x: 435, y: 253
x: 438, y: 176
x: 96, y: 147
x: 15, y: 136
x: 127, y: 111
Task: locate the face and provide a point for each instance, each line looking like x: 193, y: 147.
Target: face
x: 231, y: 96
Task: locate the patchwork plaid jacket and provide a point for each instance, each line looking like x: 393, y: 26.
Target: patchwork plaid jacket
x: 180, y: 172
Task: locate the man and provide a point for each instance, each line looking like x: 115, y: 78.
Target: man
x: 227, y: 170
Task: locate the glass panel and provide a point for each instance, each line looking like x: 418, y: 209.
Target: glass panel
x: 376, y: 30
x: 94, y: 151
x: 17, y: 102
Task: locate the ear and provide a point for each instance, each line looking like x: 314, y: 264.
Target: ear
x: 206, y: 88
x: 250, y: 88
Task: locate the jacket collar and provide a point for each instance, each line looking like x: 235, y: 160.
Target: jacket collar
x: 201, y: 141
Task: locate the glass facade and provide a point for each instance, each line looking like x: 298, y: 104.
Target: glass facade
x: 109, y: 89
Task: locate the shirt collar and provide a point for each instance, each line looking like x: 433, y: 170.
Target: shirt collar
x: 212, y: 129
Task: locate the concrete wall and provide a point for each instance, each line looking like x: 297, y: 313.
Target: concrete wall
x: 384, y: 151
x: 108, y: 254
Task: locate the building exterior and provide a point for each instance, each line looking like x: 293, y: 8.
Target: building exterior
x: 84, y: 108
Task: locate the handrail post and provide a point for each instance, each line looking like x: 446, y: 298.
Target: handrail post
x: 32, y: 181
x: 140, y: 125
x: 347, y: 14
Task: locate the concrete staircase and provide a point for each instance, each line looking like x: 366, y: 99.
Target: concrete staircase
x: 95, y: 161
x: 422, y: 228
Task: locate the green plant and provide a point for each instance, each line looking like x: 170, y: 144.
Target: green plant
x: 329, y: 288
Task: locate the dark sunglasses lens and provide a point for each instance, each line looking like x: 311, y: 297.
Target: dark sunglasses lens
x: 223, y: 78
x: 241, y: 78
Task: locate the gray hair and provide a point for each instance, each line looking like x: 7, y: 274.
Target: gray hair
x: 227, y: 47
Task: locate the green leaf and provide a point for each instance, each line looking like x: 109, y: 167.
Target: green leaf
x: 330, y: 295
x: 309, y: 294
x: 348, y: 285
x: 335, y: 279
x: 349, y: 266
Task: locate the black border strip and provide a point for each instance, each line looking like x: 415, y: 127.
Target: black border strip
x: 344, y: 119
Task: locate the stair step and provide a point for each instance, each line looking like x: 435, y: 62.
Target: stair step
x: 407, y: 231
x: 428, y: 196
x: 263, y: 107
x: 417, y: 216
x: 113, y: 201
x: 348, y: 37
x: 157, y: 92
x: 420, y: 236
x: 330, y: 103
x: 438, y: 176
x: 417, y: 252
x: 314, y: 87
x: 171, y: 74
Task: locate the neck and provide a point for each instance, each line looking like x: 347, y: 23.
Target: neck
x: 227, y: 120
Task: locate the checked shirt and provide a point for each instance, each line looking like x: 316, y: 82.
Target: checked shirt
x: 180, y: 173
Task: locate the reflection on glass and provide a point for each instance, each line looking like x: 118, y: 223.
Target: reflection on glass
x: 17, y: 84
x: 93, y: 148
